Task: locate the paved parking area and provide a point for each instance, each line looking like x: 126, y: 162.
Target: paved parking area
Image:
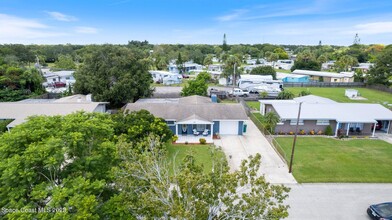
x: 238, y: 148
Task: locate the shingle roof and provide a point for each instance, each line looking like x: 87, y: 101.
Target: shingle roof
x: 193, y: 105
x: 20, y: 111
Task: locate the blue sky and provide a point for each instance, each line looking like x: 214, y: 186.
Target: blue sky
x: 195, y: 21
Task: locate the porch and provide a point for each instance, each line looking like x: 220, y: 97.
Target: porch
x: 361, y: 128
x: 193, y: 139
x: 193, y: 128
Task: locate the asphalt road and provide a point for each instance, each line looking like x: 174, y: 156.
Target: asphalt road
x: 335, y: 200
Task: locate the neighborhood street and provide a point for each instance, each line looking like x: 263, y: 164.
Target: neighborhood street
x: 335, y: 200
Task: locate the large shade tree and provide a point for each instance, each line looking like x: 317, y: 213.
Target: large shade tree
x: 114, y: 74
x: 264, y: 70
x: 81, y: 166
x: 381, y: 73
x: 149, y: 191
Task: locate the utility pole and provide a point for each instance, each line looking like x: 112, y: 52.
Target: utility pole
x: 234, y: 76
x: 295, y: 138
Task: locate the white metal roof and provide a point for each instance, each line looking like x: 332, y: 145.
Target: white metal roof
x: 313, y: 99
x: 162, y: 72
x: 326, y: 74
x: 341, y: 112
x: 264, y: 77
x: 305, y: 99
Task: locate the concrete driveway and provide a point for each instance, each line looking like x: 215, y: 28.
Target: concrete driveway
x: 385, y: 137
x: 238, y: 148
x: 335, y: 200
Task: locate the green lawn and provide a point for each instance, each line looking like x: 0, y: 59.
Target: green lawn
x: 254, y: 105
x: 283, y: 71
x: 202, y: 153
x: 337, y: 94
x: 319, y: 159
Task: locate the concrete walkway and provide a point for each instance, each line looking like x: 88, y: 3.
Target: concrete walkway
x: 238, y: 148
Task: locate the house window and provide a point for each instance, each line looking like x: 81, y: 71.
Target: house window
x: 294, y: 122
x: 322, y: 122
x: 281, y: 122
x: 201, y: 127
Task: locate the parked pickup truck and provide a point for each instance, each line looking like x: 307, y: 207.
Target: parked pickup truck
x: 239, y: 92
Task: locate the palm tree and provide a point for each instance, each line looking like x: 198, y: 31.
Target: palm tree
x: 285, y: 95
x: 270, y: 120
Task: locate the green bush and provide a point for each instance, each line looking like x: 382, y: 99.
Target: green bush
x: 304, y: 93
x: 328, y: 130
x: 202, y: 141
x: 174, y: 138
x: 3, y: 125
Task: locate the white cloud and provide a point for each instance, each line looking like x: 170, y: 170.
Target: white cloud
x: 229, y: 17
x: 17, y: 28
x: 86, y: 30
x: 60, y: 16
x: 374, y: 28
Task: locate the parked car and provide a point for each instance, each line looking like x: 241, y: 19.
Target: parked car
x: 378, y: 125
x: 380, y: 211
x: 59, y: 84
x: 185, y: 76
x: 239, y: 92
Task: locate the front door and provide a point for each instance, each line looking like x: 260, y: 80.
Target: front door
x: 184, y: 129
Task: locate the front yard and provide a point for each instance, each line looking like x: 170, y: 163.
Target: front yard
x: 337, y: 94
x: 204, y: 155
x: 319, y: 159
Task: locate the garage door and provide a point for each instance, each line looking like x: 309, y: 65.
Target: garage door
x: 228, y: 127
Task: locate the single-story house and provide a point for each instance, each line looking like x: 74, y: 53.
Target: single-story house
x: 213, y: 74
x: 285, y: 64
x: 364, y: 67
x: 319, y: 76
x: 292, y: 78
x: 167, y: 78
x: 65, y: 76
x: 328, y: 65
x: 195, y: 116
x: 188, y: 66
x: 318, y: 112
x: 215, y: 67
x: 20, y: 111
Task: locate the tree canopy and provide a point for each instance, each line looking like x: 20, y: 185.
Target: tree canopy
x: 114, y: 74
x: 264, y: 70
x: 65, y: 62
x: 381, y: 73
x: 19, y: 83
x: 197, y: 86
x: 87, y: 166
